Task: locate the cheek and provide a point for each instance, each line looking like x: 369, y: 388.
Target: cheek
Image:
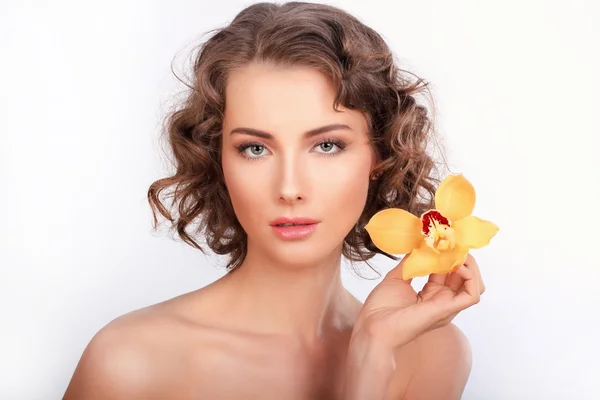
x: 348, y: 193
x: 244, y: 189
x: 345, y: 194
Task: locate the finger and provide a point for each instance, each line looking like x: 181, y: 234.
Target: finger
x: 454, y: 281
x: 469, y: 292
x: 471, y: 263
x: 396, y: 272
x: 438, y: 278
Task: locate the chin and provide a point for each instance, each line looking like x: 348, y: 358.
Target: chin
x: 300, y: 253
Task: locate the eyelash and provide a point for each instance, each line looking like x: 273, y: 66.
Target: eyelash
x: 340, y: 144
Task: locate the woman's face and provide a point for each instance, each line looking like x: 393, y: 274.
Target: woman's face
x: 282, y: 171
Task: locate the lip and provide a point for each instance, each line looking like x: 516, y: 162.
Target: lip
x: 294, y: 231
x: 294, y: 220
x: 303, y: 228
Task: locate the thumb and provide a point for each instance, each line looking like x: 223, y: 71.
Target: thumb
x: 396, y: 272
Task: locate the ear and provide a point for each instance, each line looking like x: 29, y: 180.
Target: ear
x: 375, y: 159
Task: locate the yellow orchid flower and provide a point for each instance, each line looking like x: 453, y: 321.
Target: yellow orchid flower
x: 438, y: 241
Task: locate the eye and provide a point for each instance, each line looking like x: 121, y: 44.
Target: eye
x: 251, y: 150
x: 256, y: 149
x: 328, y: 145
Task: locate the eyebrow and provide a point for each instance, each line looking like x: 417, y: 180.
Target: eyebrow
x: 307, y: 135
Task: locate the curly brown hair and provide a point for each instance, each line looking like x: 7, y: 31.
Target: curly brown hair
x: 367, y: 77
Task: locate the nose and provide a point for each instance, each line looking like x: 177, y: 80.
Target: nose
x: 290, y: 181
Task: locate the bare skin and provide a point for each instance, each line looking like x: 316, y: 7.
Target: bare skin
x: 278, y: 327
x: 183, y: 348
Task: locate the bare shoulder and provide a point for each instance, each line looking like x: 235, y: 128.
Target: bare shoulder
x: 441, y: 356
x: 124, y: 359
x: 139, y: 355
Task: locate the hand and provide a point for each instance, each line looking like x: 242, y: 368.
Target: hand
x: 395, y: 314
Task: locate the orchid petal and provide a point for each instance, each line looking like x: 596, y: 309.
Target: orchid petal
x: 395, y: 231
x: 474, y: 232
x: 450, y: 260
x: 455, y: 197
x: 420, y: 262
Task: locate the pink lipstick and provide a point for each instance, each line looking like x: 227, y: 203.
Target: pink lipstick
x: 294, y: 228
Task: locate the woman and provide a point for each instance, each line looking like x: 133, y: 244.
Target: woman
x: 298, y: 115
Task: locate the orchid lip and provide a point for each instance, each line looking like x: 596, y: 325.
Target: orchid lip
x: 438, y: 231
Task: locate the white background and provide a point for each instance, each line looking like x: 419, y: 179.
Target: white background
x: 83, y: 87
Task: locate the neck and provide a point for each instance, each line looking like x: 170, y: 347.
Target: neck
x: 301, y: 300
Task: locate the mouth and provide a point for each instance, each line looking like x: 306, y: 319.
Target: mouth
x: 295, y: 221
x: 294, y: 230
x: 294, y: 224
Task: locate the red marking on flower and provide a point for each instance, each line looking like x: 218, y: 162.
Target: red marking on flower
x: 429, y: 217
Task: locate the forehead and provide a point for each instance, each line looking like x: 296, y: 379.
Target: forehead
x: 275, y: 98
